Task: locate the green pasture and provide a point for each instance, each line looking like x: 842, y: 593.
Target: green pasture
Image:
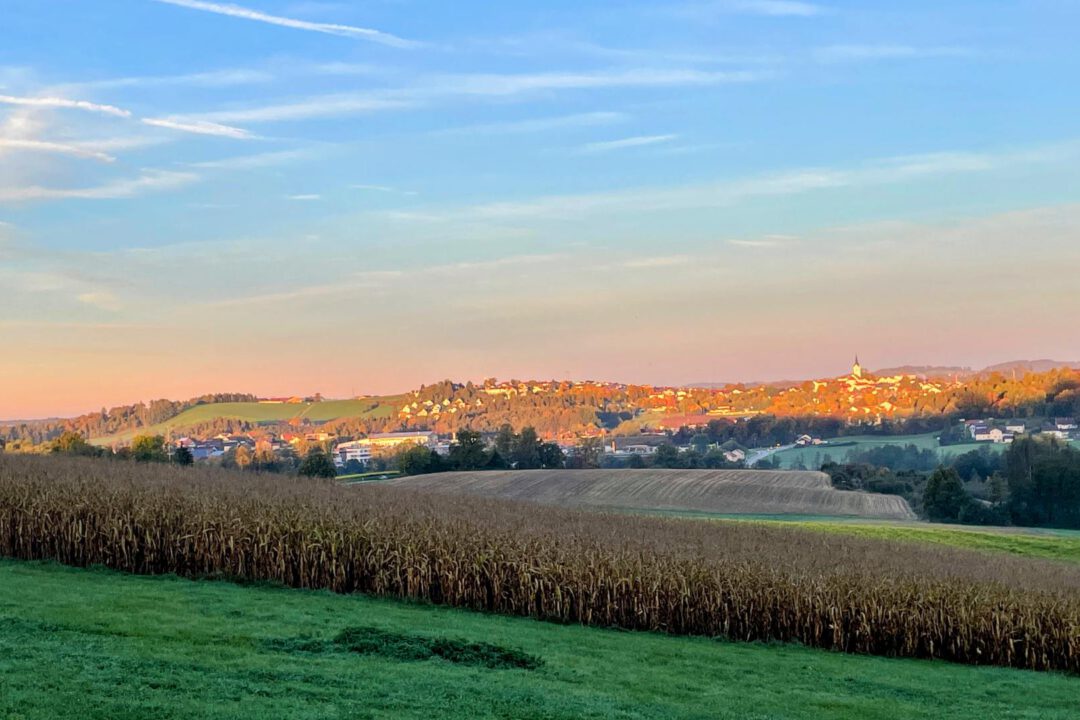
x: 839, y: 448
x: 93, y: 644
x: 1053, y: 545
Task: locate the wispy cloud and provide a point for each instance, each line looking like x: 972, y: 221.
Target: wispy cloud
x: 535, y: 125
x: 252, y: 162
x: 210, y: 79
x: 148, y: 181
x: 657, y: 262
x: 381, y: 279
x: 54, y: 147
x: 882, y: 171
x: 769, y: 8
x: 853, y: 53
x: 472, y: 85
x: 777, y: 8
x: 383, y: 189
x: 492, y: 84
x: 768, y: 241
x: 200, y: 127
x: 623, y: 143
x: 304, y: 198
x: 101, y: 299
x: 64, y: 103
x: 320, y: 107
x: 244, y: 13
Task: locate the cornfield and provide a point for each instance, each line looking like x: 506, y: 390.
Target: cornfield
x: 738, y: 581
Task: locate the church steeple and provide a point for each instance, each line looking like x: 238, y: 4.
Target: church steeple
x: 856, y: 369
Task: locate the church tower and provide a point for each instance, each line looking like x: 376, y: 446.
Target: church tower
x: 856, y: 369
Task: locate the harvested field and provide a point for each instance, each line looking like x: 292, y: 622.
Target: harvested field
x: 743, y: 581
x: 721, y: 491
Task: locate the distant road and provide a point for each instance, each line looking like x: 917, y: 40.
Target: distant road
x: 758, y: 454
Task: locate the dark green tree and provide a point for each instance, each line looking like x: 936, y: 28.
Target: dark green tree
x: 183, y: 456
x: 551, y: 455
x: 504, y: 440
x: 944, y: 497
x: 667, y: 456
x: 526, y: 452
x: 467, y: 452
x: 318, y: 464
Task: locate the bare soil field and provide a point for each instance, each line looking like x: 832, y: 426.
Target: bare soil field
x: 721, y: 491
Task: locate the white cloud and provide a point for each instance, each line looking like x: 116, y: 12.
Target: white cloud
x: 304, y: 198
x: 148, y: 181
x: 657, y: 262
x: 243, y: 13
x: 630, y: 142
x: 54, y: 147
x: 200, y: 127
x: 64, y: 103
x: 852, y: 53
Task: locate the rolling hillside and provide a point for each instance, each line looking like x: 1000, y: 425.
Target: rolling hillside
x: 715, y: 491
x: 256, y: 412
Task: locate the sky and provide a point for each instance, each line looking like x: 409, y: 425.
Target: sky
x: 286, y: 197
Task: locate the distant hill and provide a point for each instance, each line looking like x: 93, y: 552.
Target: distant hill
x: 948, y: 371
x: 928, y: 371
x: 1037, y: 366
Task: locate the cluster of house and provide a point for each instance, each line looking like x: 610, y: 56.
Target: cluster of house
x: 988, y: 431
x: 627, y: 448
x: 363, y: 450
x: 220, y: 445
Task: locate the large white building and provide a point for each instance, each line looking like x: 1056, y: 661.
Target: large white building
x: 366, y: 448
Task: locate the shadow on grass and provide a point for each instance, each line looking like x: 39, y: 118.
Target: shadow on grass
x: 410, y: 648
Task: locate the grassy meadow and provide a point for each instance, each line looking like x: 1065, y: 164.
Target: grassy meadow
x: 1061, y: 545
x: 101, y: 645
x: 838, y: 448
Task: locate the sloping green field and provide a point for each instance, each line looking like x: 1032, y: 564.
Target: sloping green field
x: 101, y: 645
x: 255, y: 412
x: 838, y: 448
x: 1059, y: 545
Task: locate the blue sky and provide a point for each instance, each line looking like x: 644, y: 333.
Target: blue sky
x: 194, y: 195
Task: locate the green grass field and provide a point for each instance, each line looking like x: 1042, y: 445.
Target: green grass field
x: 1048, y: 543
x: 266, y: 413
x: 96, y: 644
x: 838, y: 448
x: 1061, y: 545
